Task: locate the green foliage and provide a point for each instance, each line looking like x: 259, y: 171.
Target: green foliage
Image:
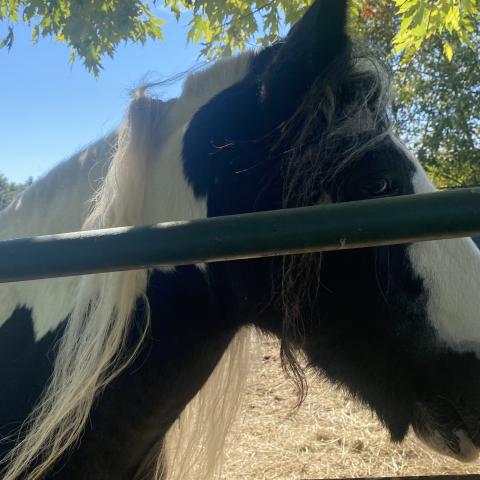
x: 227, y: 26
x: 439, y: 111
x: 95, y: 28
x: 8, y: 190
x: 422, y: 20
x: 92, y: 28
x: 436, y: 105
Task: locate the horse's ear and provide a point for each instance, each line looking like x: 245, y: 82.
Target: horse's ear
x: 312, y: 44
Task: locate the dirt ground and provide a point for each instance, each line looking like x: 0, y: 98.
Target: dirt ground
x: 329, y: 436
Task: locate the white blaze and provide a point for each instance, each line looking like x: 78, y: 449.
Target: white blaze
x: 450, y: 270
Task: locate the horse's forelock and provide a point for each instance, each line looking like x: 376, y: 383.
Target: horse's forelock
x: 343, y: 115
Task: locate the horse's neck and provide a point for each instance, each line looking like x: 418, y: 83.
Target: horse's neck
x: 188, y: 337
x: 56, y: 203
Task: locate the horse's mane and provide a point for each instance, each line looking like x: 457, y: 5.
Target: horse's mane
x: 57, y: 202
x: 92, y: 351
x: 77, y: 177
x: 325, y: 137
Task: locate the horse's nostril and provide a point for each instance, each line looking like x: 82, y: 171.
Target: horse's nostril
x: 476, y: 436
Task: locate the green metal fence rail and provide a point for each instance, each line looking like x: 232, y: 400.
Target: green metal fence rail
x: 338, y: 226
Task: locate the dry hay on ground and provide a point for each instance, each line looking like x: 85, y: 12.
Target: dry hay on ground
x: 329, y: 436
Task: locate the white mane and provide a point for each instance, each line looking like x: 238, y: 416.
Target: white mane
x: 144, y: 184
x: 56, y: 203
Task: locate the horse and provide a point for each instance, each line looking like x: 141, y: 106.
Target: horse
x: 137, y: 375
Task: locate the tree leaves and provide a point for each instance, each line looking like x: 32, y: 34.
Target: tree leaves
x: 92, y: 28
x: 425, y: 19
x: 8, y: 190
x: 448, y: 50
x: 435, y: 93
x: 95, y: 28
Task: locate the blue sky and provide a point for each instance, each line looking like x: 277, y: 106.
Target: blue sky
x: 49, y: 109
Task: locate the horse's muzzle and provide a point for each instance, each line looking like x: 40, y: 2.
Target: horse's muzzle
x: 448, y: 430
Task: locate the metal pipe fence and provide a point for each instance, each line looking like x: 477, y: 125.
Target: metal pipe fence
x: 385, y: 221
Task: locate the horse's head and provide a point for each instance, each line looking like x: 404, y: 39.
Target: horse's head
x: 397, y: 325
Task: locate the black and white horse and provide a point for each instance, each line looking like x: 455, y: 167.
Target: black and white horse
x: 117, y: 375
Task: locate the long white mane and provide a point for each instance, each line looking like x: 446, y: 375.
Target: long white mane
x: 144, y: 183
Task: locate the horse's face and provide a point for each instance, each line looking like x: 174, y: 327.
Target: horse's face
x: 397, y: 325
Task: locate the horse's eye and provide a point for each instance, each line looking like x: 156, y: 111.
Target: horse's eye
x: 377, y: 187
